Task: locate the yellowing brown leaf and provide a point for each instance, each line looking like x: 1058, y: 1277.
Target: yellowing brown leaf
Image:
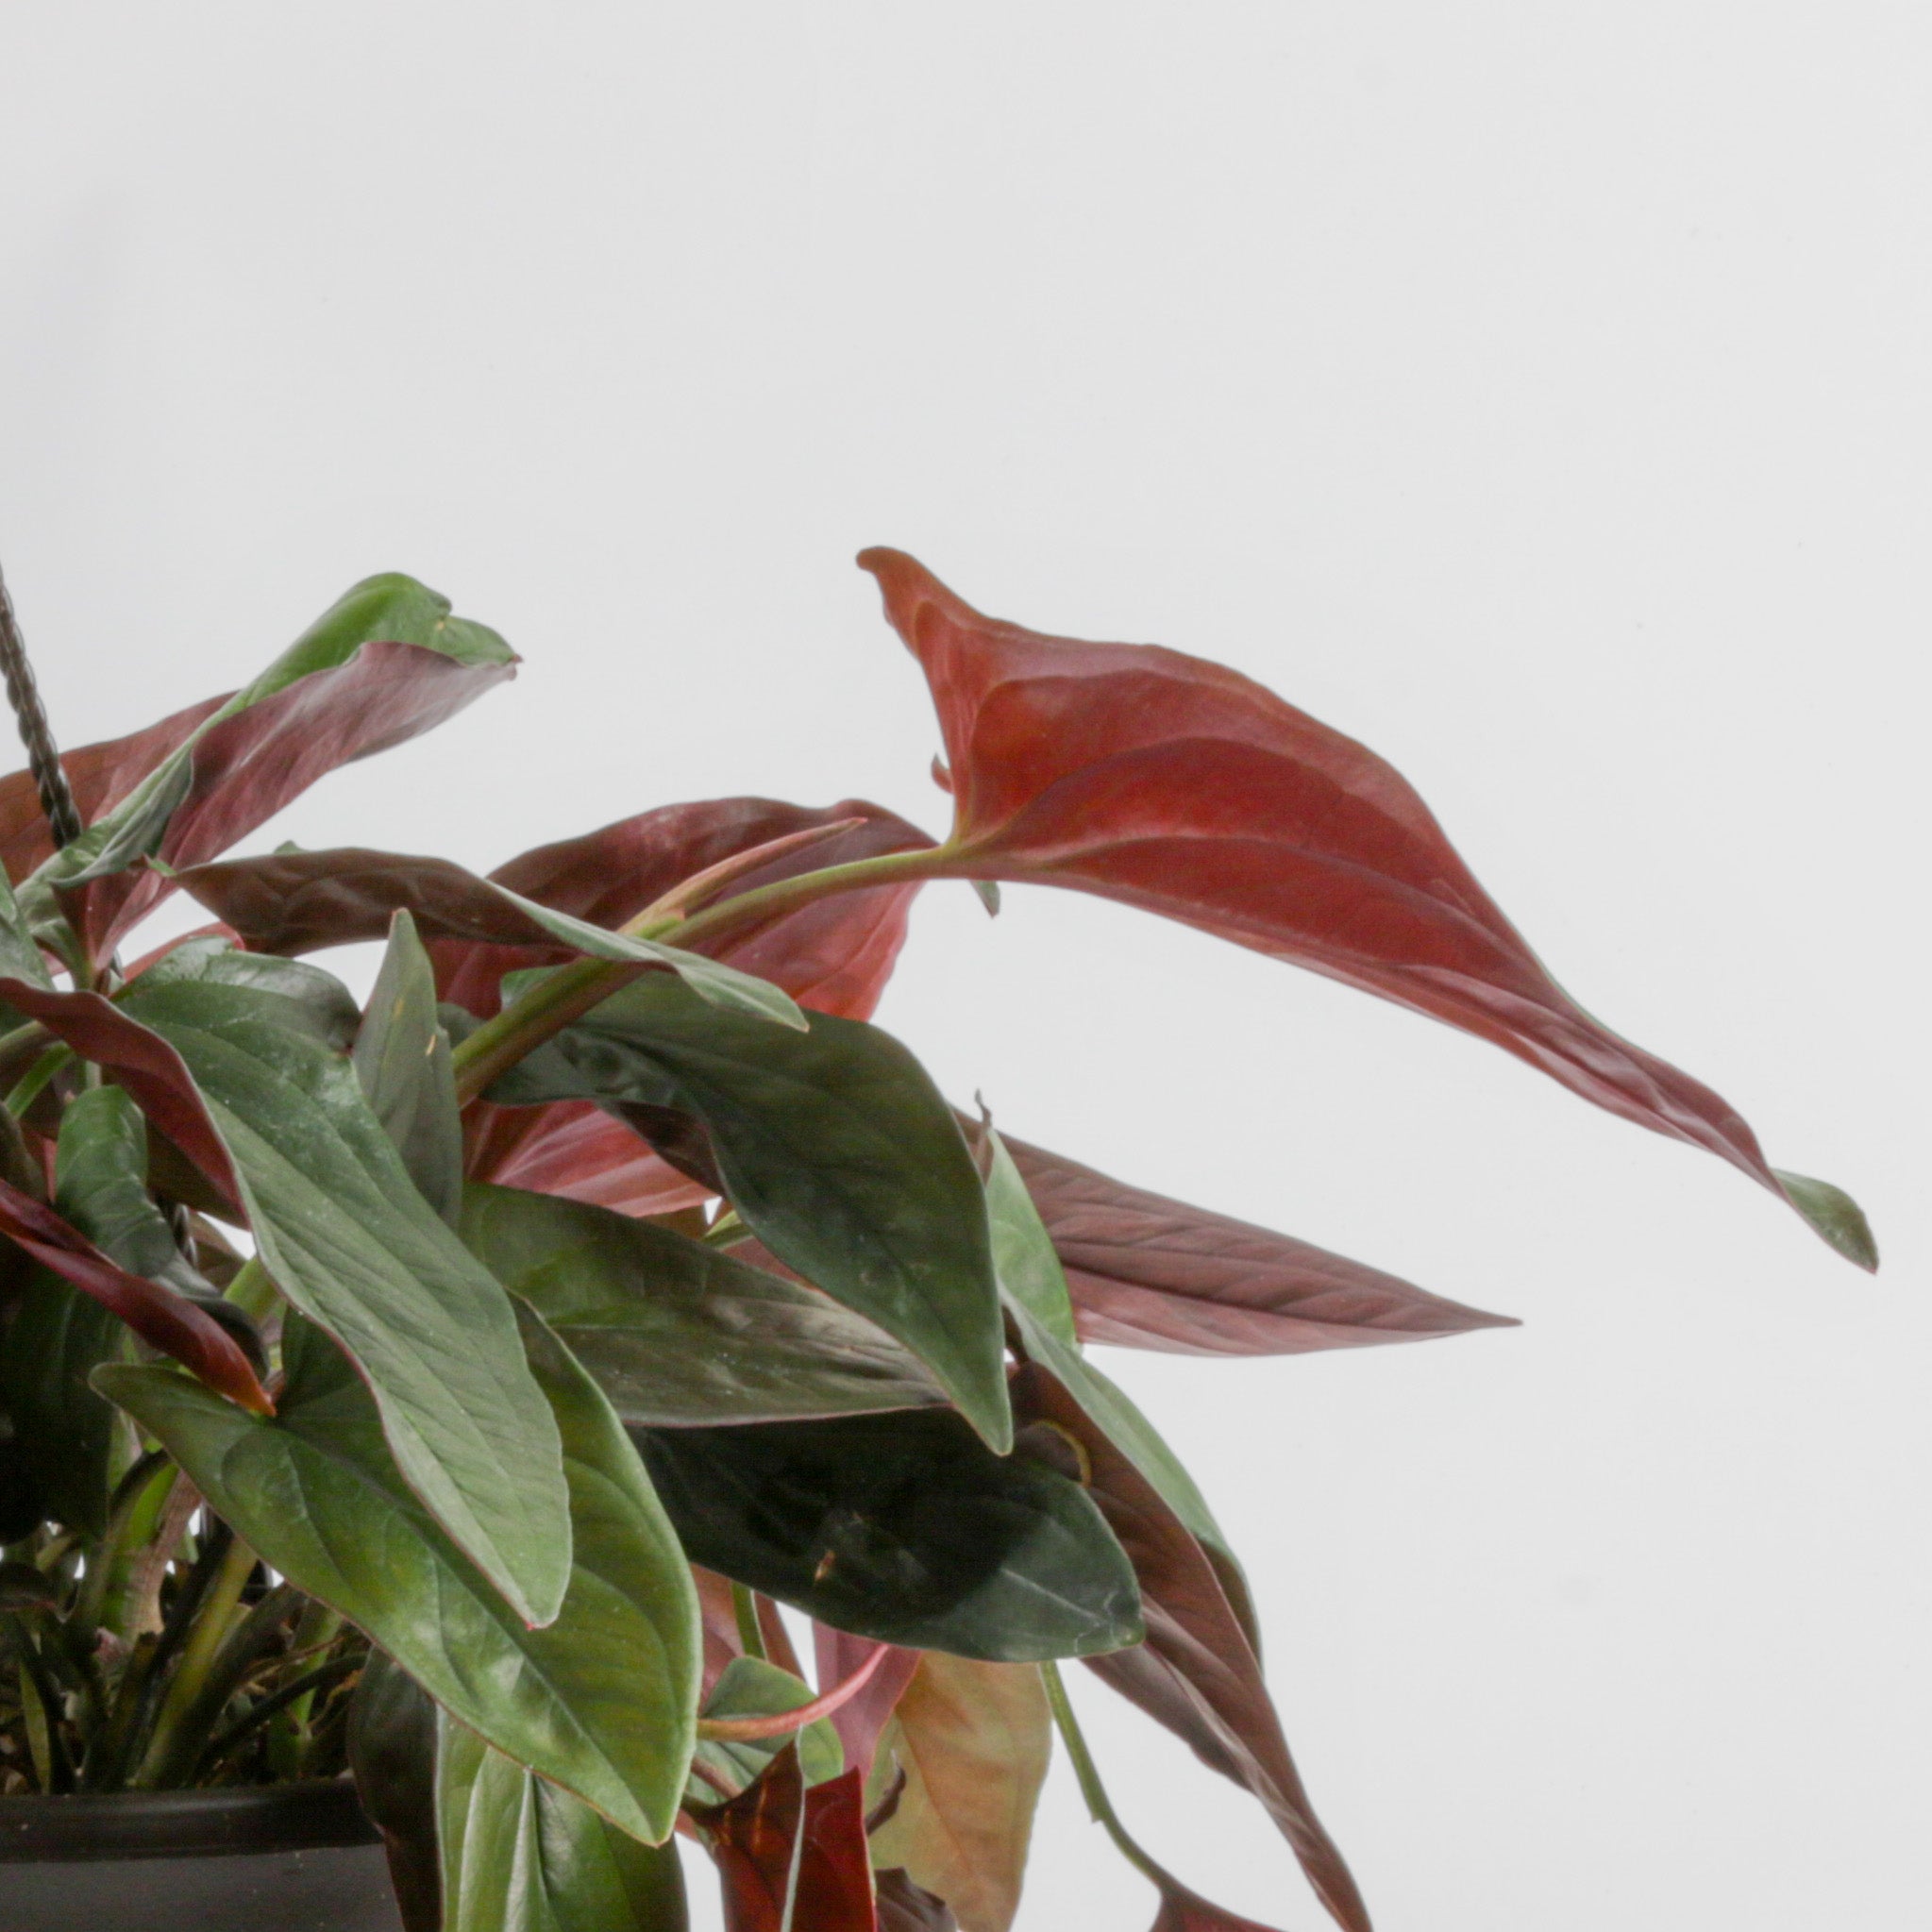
x: 973, y: 1740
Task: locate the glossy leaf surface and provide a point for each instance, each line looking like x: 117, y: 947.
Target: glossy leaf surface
x: 520, y: 1854
x: 402, y: 1061
x: 973, y: 1740
x: 1183, y: 788
x: 344, y: 1234
x: 284, y: 992
x: 290, y: 902
x: 833, y: 955
x: 600, y: 1700
x: 1196, y: 1673
x: 384, y: 664
x: 139, y: 1058
x: 392, y: 1752
x: 835, y: 1147
x: 158, y: 1315
x: 792, y: 1859
x: 678, y: 1332
x: 906, y: 1528
x: 753, y: 1687
x: 1148, y: 1273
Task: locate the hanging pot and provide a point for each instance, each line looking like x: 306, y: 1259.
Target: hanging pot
x: 300, y: 1857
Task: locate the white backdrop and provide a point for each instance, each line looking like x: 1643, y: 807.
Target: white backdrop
x: 1537, y: 394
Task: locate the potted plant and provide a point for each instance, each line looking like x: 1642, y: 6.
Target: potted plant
x: 431, y: 1400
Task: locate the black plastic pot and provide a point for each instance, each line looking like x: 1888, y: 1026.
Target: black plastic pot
x: 275, y: 1859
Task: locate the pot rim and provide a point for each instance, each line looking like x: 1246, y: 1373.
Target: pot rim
x: 309, y: 1815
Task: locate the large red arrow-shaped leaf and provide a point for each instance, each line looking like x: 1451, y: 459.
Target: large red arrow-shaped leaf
x: 162, y: 1318
x: 1184, y: 788
x: 1146, y: 1272
x: 1197, y: 1673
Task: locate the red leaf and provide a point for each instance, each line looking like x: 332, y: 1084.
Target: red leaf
x: 1184, y: 788
x: 756, y: 1837
x: 1146, y: 1272
x: 142, y: 1061
x: 1196, y: 1673
x: 904, y: 1906
x: 835, y: 954
x: 839, y: 1655
x: 248, y: 766
x: 101, y: 776
x: 1185, y: 1912
x: 162, y: 1318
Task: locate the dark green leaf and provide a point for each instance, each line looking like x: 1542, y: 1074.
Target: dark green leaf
x: 603, y: 1701
x: 347, y: 1236
x: 392, y: 1750
x: 284, y: 992
x: 835, y: 1148
x: 902, y: 1527
x: 60, y: 1335
x: 402, y: 1060
x: 20, y: 956
x: 751, y: 1687
x: 677, y: 1333
x: 521, y: 1856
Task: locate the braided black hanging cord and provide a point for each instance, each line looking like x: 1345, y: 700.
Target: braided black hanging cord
x: 42, y: 757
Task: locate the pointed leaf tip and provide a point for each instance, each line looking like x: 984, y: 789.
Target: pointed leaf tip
x: 1838, y: 1219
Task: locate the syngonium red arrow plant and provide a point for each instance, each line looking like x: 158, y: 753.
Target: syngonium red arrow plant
x: 451, y: 1386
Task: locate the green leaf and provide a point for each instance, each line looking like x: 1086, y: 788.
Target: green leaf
x: 521, y: 1856
x: 748, y: 1688
x: 1833, y: 1213
x: 59, y: 1336
x: 343, y: 1233
x: 1035, y: 1294
x: 713, y: 981
x: 392, y: 608
x: 1023, y: 1253
x: 392, y: 1751
x: 20, y: 956
x: 902, y: 1527
x: 284, y: 992
x: 679, y: 1333
x: 402, y: 1060
x: 603, y: 1701
x: 835, y: 1148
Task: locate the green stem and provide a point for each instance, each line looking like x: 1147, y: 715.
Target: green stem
x: 571, y: 991
x: 1097, y: 1804
x: 212, y: 1617
x: 745, y: 1608
x: 253, y: 1291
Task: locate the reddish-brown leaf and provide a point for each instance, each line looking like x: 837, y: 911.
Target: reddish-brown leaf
x: 1196, y: 1673
x: 758, y: 1835
x: 1182, y: 787
x: 904, y: 1906
x: 162, y: 1318
x: 833, y: 955
x: 139, y: 1059
x: 1146, y: 1272
x: 1186, y: 1912
x: 839, y: 1654
x: 101, y: 776
x: 248, y: 766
